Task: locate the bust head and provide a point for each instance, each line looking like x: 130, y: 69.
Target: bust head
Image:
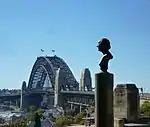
x: 104, y: 45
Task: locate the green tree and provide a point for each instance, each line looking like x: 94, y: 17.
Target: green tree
x: 70, y: 119
x: 53, y: 119
x: 40, y: 112
x: 60, y: 122
x: 64, y: 121
x: 20, y: 123
x: 32, y: 108
x: 30, y: 117
x: 145, y: 108
x: 79, y: 117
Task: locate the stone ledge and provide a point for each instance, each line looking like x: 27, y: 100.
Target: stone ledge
x: 118, y: 122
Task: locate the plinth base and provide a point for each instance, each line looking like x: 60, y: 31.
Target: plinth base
x: 104, y: 100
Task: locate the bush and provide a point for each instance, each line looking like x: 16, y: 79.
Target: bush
x: 64, y: 121
x: 31, y: 114
x: 70, y: 119
x: 30, y: 117
x: 82, y: 122
x: 145, y: 108
x: 60, y: 122
x: 20, y: 123
x: 53, y: 119
x: 40, y: 112
x: 79, y: 118
x: 32, y: 108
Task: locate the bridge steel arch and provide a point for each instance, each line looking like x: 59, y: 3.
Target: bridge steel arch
x: 47, y: 66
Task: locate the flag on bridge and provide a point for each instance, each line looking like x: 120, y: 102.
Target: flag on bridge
x: 53, y: 50
x: 42, y: 50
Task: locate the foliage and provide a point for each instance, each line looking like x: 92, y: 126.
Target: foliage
x: 68, y: 120
x: 40, y: 112
x: 53, y: 119
x: 31, y: 114
x: 60, y: 122
x: 79, y: 118
x: 145, y: 108
x: 37, y: 120
x: 32, y: 108
x: 20, y: 123
x: 64, y: 121
x: 30, y: 117
x: 82, y: 122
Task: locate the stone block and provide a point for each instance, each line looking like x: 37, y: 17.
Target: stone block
x: 126, y: 102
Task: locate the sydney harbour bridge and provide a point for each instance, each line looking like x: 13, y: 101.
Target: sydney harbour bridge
x: 52, y: 83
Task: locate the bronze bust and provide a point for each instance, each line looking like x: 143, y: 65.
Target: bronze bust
x: 104, y: 46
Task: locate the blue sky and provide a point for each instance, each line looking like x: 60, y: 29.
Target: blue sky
x: 72, y: 28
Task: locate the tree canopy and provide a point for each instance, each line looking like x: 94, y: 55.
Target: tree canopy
x: 145, y: 108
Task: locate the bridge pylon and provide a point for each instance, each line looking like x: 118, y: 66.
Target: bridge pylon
x: 57, y: 94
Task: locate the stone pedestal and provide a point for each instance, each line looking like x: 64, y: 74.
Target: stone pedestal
x: 57, y: 95
x: 24, y: 102
x: 104, y: 100
x: 126, y: 102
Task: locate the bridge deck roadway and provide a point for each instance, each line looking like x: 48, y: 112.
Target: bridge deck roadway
x: 75, y: 103
x: 79, y: 92
x: 91, y: 93
x: 51, y: 92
